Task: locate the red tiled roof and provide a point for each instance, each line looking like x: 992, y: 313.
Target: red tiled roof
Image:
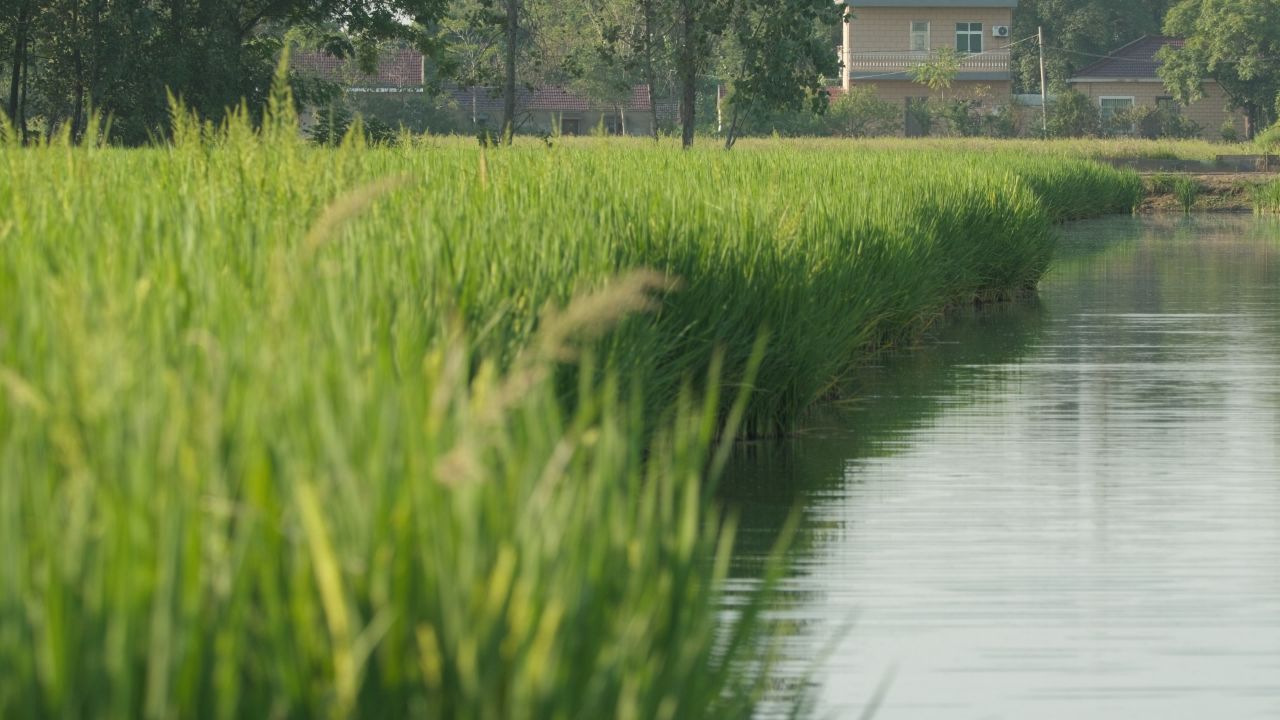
x: 550, y: 98
x: 1135, y: 60
x: 396, y: 69
x: 403, y: 69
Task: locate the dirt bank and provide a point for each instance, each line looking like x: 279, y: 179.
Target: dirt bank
x: 1214, y: 192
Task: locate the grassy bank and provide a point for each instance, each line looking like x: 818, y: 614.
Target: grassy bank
x: 1266, y: 198
x: 293, y: 431
x: 1092, y: 148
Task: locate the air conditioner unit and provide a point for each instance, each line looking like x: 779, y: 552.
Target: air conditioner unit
x: 999, y: 31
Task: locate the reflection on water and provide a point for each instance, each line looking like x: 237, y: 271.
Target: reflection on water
x: 1066, y: 509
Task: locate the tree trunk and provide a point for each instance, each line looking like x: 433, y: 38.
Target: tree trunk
x: 94, y: 88
x: 77, y: 112
x: 26, y: 86
x: 649, y: 78
x: 688, y: 72
x: 509, y: 87
x: 19, y: 59
x: 732, y: 137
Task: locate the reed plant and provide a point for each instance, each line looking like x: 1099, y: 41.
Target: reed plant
x: 1266, y: 198
x: 1186, y: 190
x: 430, y: 429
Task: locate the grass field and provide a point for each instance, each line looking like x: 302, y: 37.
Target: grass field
x: 290, y: 431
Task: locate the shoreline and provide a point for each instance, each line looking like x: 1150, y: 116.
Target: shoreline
x: 1218, y: 192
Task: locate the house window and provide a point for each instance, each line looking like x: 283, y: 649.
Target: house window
x: 919, y: 36
x: 1112, y: 105
x: 969, y: 37
x: 569, y: 126
x: 613, y: 124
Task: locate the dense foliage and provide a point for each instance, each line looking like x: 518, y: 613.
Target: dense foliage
x: 63, y: 57
x: 1235, y: 43
x: 60, y: 59
x: 1076, y: 33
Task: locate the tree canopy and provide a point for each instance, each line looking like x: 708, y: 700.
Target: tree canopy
x: 1076, y: 33
x: 780, y: 56
x: 60, y: 60
x: 123, y: 56
x: 1235, y: 43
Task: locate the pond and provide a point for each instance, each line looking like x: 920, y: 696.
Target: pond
x: 1060, y: 508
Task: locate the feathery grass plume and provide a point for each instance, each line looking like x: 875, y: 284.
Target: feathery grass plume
x: 587, y: 316
x: 20, y: 392
x: 9, y: 135
x: 345, y: 207
x: 185, y: 128
x: 281, y: 119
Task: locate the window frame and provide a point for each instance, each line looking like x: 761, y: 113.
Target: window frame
x: 970, y: 34
x: 1103, y: 115
x: 913, y: 34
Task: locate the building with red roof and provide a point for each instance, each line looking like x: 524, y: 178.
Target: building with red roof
x: 543, y: 110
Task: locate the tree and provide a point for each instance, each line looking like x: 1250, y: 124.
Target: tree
x: 1235, y: 43
x: 1073, y: 114
x: 490, y: 25
x: 861, y: 113
x: 16, y: 20
x: 1076, y: 33
x: 939, y: 71
x: 783, y: 54
x: 593, y: 48
x: 699, y: 26
x: 649, y: 45
x: 123, y: 56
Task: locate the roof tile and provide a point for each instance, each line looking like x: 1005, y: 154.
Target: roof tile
x: 400, y: 68
x: 1135, y: 60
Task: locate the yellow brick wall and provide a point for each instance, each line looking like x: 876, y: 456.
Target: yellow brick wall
x: 897, y: 91
x: 883, y: 29
x: 1210, y: 111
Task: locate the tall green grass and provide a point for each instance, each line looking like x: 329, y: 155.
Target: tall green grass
x: 429, y: 429
x: 1266, y: 198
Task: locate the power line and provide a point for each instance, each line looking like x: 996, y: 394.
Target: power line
x: 1268, y: 58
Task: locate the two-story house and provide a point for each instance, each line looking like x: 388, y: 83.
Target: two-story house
x: 885, y: 40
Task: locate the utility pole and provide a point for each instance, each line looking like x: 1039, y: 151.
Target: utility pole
x: 1044, y: 92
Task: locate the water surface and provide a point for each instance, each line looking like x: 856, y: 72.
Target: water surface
x: 1066, y: 508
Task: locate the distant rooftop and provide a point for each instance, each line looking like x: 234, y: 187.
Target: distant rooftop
x: 402, y: 69
x: 397, y: 69
x: 933, y: 3
x: 488, y: 100
x: 1135, y: 61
